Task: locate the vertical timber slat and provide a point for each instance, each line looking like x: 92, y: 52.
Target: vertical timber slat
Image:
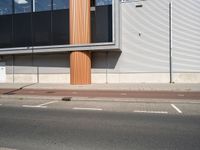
x: 80, y: 33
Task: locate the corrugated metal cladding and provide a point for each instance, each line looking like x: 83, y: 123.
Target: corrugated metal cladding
x: 145, y: 36
x: 186, y: 35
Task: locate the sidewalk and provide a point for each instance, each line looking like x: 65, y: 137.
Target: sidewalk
x: 122, y: 87
x: 111, y: 92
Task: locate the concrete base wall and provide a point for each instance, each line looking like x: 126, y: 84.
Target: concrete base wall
x: 33, y: 78
x: 25, y: 78
x: 186, y: 77
x: 107, y: 78
x: 54, y: 78
x: 139, y: 78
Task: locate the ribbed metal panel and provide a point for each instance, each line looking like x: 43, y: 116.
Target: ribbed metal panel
x: 145, y: 36
x: 186, y: 35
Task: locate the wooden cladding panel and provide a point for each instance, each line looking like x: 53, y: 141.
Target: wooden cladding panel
x: 80, y: 67
x: 80, y: 33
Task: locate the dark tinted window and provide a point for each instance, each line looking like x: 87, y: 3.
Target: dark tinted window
x: 6, y: 31
x: 42, y: 28
x: 60, y: 26
x: 102, y: 24
x: 5, y: 7
x: 22, y: 30
x: 60, y: 4
x: 41, y: 5
x: 22, y: 6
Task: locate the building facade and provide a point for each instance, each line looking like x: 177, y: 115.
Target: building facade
x: 99, y: 41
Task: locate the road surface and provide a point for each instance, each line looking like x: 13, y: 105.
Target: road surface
x: 68, y: 126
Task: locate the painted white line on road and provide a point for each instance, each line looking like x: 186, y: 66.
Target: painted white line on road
x: 48, y: 103
x: 31, y: 106
x: 176, y: 108
x: 40, y: 105
x: 151, y: 112
x: 79, y: 108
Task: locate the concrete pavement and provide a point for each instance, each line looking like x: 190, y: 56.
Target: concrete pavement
x: 105, y: 92
x: 127, y: 87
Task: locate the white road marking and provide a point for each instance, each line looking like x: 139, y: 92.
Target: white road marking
x: 31, y: 106
x: 176, y: 108
x: 151, y: 112
x: 48, y: 103
x: 40, y: 106
x: 79, y: 108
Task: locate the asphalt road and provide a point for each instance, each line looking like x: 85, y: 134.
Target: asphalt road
x: 58, y: 129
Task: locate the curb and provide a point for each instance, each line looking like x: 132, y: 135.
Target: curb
x: 134, y: 100
x: 30, y: 97
x: 99, y: 99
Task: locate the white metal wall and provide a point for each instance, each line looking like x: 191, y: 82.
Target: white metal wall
x: 145, y: 36
x: 186, y: 35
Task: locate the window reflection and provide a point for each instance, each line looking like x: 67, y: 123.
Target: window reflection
x: 5, y: 7
x: 103, y: 2
x: 22, y: 6
x: 60, y: 4
x: 41, y: 5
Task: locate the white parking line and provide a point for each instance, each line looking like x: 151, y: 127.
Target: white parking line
x: 48, y: 103
x: 31, y: 106
x: 79, y: 108
x: 40, y: 106
x: 151, y: 112
x: 176, y: 108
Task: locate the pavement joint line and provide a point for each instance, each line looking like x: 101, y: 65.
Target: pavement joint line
x: 176, y: 108
x: 82, y: 108
x: 151, y: 112
x: 181, y: 95
x: 124, y: 94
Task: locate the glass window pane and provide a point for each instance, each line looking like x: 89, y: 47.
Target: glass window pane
x: 60, y: 27
x: 60, y: 4
x: 41, y: 5
x: 22, y: 6
x: 6, y: 31
x: 42, y: 28
x: 102, y: 24
x: 5, y: 7
x: 22, y: 30
x: 103, y: 2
